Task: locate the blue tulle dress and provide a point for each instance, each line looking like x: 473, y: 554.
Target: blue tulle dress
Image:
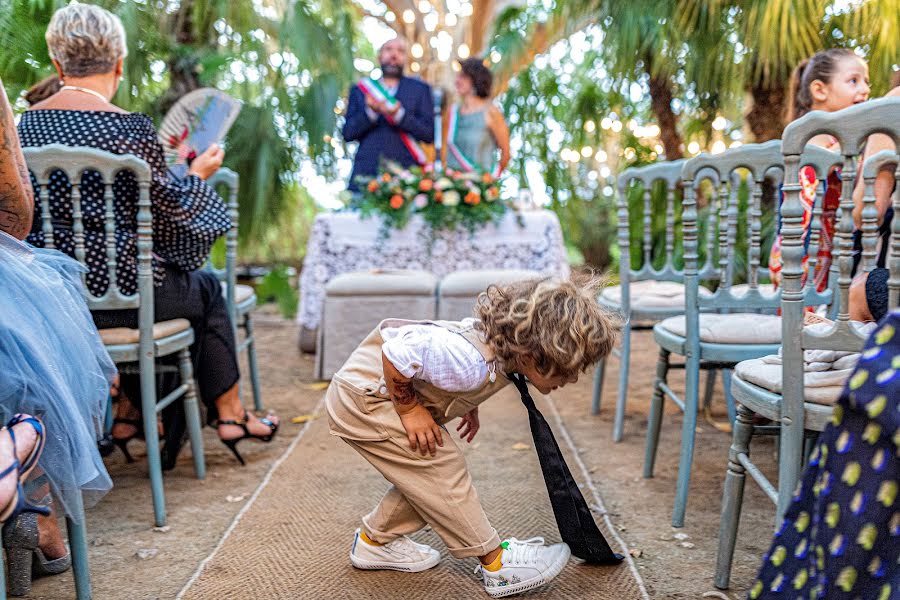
x: 53, y: 365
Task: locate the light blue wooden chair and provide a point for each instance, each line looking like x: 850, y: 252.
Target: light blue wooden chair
x: 151, y: 340
x: 796, y: 418
x: 241, y: 299
x: 634, y: 297
x: 722, y: 329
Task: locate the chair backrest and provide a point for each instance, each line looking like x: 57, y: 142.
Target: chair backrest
x: 886, y: 160
x: 646, y: 178
x: 227, y: 178
x: 73, y: 162
x: 851, y: 127
x: 763, y: 162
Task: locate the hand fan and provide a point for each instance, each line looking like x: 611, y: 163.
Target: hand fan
x: 196, y: 121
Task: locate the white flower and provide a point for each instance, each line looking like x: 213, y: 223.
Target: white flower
x: 443, y: 184
x: 421, y: 201
x: 451, y: 198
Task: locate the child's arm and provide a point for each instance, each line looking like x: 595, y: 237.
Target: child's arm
x: 421, y: 429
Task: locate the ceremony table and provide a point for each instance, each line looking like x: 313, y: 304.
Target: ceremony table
x: 342, y: 242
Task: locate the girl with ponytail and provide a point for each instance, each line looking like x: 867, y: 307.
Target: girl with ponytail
x: 831, y: 80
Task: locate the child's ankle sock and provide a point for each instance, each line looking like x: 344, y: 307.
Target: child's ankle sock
x: 367, y: 539
x: 495, y: 565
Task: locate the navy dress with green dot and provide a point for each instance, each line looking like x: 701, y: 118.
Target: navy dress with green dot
x: 841, y: 535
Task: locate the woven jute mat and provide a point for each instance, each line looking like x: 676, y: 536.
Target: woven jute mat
x: 294, y: 538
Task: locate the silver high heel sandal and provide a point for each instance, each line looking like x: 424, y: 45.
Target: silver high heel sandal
x: 24, y: 556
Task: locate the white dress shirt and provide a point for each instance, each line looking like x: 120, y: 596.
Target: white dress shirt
x: 436, y: 355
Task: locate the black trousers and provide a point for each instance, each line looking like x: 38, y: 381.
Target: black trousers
x: 197, y: 297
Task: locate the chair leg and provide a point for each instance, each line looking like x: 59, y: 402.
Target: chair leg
x: 599, y: 373
x: 688, y: 435
x: 710, y: 388
x: 733, y: 496
x: 192, y: 412
x: 654, y: 419
x: 624, y: 365
x: 729, y: 397
x: 251, y: 357
x: 80, y: 565
x: 154, y: 460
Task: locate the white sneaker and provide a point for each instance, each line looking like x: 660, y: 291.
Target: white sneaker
x: 527, y: 564
x: 402, y: 554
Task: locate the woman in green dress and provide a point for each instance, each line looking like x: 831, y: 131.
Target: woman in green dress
x: 474, y: 129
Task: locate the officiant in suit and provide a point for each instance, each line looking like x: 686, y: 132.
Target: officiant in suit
x: 389, y: 117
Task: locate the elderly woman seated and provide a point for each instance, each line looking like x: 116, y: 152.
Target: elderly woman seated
x: 87, y: 46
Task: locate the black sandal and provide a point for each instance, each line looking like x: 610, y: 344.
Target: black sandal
x: 232, y: 443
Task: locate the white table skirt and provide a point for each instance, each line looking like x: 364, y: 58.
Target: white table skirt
x: 344, y: 242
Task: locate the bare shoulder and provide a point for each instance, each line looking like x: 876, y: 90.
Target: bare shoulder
x: 88, y: 104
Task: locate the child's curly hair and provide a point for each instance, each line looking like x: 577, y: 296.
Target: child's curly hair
x: 558, y: 323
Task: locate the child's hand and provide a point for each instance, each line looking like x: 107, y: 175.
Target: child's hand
x: 422, y: 430
x: 469, y: 425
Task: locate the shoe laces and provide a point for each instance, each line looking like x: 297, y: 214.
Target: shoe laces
x: 523, y: 552
x: 404, y: 544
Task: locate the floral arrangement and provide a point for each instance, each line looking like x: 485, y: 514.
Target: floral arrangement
x: 446, y: 200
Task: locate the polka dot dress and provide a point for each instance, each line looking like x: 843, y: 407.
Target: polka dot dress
x: 841, y: 535
x: 188, y: 215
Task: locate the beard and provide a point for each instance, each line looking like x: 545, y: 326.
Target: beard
x: 392, y: 71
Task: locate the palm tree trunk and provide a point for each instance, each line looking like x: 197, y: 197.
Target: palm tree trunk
x: 661, y: 103
x: 184, y: 72
x: 766, y: 115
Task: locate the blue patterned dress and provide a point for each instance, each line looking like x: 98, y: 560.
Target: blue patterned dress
x: 841, y: 535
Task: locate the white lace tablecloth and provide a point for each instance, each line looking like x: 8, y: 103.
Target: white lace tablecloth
x: 344, y: 242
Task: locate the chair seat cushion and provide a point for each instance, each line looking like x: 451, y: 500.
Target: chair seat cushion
x: 383, y: 283
x: 766, y: 289
x: 470, y: 283
x: 242, y: 293
x: 124, y: 335
x: 735, y: 328
x: 651, y: 294
x: 769, y: 376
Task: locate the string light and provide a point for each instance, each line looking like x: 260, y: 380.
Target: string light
x: 451, y: 20
x: 409, y: 16
x: 463, y: 51
x: 495, y: 56
x: 693, y: 147
x: 424, y: 6
x: 587, y: 151
x: 617, y: 126
x: 417, y: 51
x: 415, y: 67
x: 590, y: 126
x: 719, y: 123
x: 601, y: 156
x: 718, y: 147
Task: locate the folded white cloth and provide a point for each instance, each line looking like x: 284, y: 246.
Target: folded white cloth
x: 824, y: 371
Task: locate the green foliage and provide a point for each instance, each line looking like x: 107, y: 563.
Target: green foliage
x: 277, y: 286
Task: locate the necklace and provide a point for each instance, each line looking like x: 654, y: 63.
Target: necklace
x: 77, y: 88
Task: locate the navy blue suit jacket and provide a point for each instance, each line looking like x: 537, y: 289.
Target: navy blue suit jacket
x: 379, y: 139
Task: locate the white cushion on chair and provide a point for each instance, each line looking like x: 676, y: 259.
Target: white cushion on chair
x: 769, y: 376
x: 123, y: 335
x: 651, y: 294
x: 766, y: 289
x: 382, y: 283
x: 243, y: 293
x: 736, y: 328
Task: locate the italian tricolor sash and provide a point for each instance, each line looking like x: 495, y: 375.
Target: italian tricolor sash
x: 468, y: 165
x: 376, y: 91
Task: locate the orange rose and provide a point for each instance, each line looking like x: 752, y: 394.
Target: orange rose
x: 487, y: 177
x: 472, y: 198
x: 438, y: 196
x: 425, y: 185
x: 493, y: 193
x: 396, y: 201
x: 385, y: 177
x: 373, y: 186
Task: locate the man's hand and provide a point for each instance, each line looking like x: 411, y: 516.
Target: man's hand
x: 374, y: 104
x: 390, y: 109
x: 469, y: 425
x: 421, y: 429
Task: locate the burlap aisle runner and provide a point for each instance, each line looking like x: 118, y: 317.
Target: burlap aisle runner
x: 294, y: 540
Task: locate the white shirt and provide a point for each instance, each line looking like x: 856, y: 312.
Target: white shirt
x: 436, y: 355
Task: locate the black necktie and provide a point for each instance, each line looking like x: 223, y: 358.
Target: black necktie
x: 573, y: 517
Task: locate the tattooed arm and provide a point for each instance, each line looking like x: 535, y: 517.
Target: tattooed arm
x: 16, y: 196
x: 421, y: 429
